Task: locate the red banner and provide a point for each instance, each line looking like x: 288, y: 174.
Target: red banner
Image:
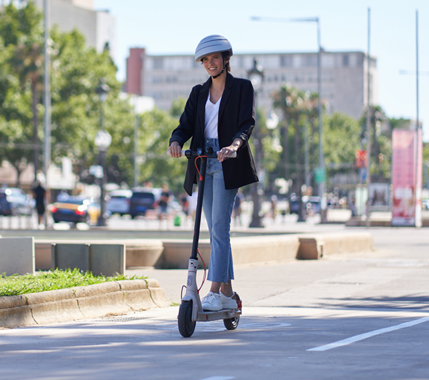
x: 406, y: 177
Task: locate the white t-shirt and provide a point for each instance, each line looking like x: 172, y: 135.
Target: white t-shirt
x: 212, y: 116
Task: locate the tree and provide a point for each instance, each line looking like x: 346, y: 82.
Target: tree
x: 341, y: 139
x: 75, y: 73
x: 299, y: 110
x: 21, y: 56
x: 178, y: 107
x: 157, y: 167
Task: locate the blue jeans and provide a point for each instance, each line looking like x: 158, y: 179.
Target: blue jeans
x: 217, y: 205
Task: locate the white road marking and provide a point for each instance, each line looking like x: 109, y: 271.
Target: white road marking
x: 367, y: 335
x: 219, y: 378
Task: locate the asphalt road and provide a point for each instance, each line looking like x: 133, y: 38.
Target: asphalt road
x: 354, y: 316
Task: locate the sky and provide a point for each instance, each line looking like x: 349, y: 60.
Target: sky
x: 176, y: 27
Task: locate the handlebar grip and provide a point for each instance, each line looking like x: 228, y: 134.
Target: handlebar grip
x: 183, y: 153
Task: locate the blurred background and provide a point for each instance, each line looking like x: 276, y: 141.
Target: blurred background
x: 93, y: 132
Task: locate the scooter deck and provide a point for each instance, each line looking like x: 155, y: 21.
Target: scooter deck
x: 220, y: 314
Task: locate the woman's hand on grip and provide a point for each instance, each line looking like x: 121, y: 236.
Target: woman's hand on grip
x: 225, y: 152
x: 175, y: 149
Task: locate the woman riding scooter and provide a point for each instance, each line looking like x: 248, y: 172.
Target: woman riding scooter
x: 219, y: 114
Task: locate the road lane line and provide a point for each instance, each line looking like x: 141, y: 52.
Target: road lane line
x: 367, y: 335
x: 219, y: 378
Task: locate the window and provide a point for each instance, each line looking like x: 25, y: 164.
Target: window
x: 309, y: 60
x: 345, y: 60
x: 158, y: 62
x: 286, y: 61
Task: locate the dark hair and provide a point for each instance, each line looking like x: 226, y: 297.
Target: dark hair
x: 227, y: 55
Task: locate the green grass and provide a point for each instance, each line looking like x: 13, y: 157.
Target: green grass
x: 58, y: 279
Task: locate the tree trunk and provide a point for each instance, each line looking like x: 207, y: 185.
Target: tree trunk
x: 286, y: 149
x: 297, y: 157
x: 18, y: 175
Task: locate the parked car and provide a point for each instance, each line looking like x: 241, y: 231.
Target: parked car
x: 311, y: 204
x: 315, y: 204
x: 143, y: 199
x: 74, y: 210
x: 294, y: 204
x: 119, y: 202
x: 14, y: 201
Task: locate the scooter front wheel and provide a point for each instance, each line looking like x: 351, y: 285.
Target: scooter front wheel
x: 186, y: 325
x: 231, y: 323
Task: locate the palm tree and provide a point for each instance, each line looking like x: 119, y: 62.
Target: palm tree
x: 284, y: 99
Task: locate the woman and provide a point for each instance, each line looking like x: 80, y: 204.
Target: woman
x: 219, y: 114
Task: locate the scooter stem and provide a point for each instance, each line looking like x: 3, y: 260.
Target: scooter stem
x: 198, y: 211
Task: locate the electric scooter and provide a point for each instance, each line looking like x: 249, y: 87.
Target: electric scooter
x: 191, y: 310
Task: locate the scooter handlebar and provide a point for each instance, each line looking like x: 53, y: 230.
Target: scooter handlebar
x: 189, y: 153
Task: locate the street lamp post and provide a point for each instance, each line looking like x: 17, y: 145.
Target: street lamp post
x: 321, y: 174
x: 102, y: 141
x: 256, y: 76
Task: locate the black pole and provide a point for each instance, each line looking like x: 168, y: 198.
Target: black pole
x: 101, y: 222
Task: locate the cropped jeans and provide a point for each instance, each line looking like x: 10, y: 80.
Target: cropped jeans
x: 217, y: 205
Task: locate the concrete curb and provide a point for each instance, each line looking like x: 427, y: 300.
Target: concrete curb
x: 279, y: 248
x: 260, y: 249
x: 359, y: 222
x: 315, y: 246
x: 84, y: 302
x: 139, y: 252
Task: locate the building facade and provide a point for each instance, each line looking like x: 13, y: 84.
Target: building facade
x: 98, y: 26
x: 344, y: 76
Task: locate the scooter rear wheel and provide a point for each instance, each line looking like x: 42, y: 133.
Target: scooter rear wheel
x: 186, y: 325
x: 231, y: 323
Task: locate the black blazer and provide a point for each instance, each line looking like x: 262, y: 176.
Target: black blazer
x: 236, y: 119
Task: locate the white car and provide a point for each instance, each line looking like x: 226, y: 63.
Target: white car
x: 119, y: 202
x: 14, y: 201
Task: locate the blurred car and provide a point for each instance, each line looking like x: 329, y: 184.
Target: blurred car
x: 75, y: 210
x: 310, y: 204
x: 14, y: 201
x: 294, y: 204
x: 119, y: 202
x: 143, y: 199
x: 315, y: 204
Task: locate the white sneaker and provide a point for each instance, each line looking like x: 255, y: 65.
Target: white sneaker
x: 212, y: 302
x: 228, y: 302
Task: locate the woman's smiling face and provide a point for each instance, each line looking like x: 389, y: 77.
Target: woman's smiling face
x: 213, y: 63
